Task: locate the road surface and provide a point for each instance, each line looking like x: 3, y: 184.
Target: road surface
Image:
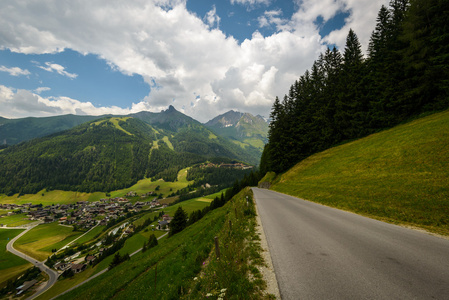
x: 53, y: 275
x: 324, y: 253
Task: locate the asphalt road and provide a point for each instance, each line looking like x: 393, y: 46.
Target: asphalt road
x: 324, y: 253
x: 53, y: 275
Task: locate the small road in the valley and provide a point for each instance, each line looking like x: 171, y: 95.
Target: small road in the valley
x: 53, y: 275
x: 324, y: 253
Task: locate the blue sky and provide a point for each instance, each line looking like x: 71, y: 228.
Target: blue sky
x: 205, y: 57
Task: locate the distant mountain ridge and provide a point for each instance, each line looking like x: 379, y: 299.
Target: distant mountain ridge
x: 14, y: 131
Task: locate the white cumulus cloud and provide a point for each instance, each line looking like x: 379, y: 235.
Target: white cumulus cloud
x: 212, y: 18
x: 251, y: 2
x: 14, y: 71
x: 50, y: 67
x: 42, y: 89
x: 19, y: 103
x: 180, y: 55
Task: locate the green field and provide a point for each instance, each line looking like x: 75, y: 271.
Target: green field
x: 10, y: 264
x: 40, y: 240
x: 51, y: 197
x: 146, y: 185
x: 13, y: 220
x: 90, y: 235
x: 399, y: 175
x: 65, y: 197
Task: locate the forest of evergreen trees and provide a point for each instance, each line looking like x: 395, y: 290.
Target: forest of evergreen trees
x: 347, y: 96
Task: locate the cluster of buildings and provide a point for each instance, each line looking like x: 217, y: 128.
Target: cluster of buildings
x: 231, y: 166
x: 83, y: 214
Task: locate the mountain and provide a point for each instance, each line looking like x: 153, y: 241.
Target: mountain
x: 169, y: 119
x: 112, y: 153
x: 243, y: 129
x: 14, y: 131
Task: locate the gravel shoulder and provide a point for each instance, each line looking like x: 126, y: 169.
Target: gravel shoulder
x: 267, y: 271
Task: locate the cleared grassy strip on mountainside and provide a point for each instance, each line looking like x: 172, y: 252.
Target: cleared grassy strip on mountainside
x: 168, y: 143
x: 399, y: 175
x: 40, y: 240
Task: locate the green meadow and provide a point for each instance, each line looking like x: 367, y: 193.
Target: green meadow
x: 10, y: 264
x: 40, y: 240
x: 51, y: 197
x: 65, y: 197
x: 399, y: 175
x: 165, y: 188
x: 13, y: 220
x: 90, y: 235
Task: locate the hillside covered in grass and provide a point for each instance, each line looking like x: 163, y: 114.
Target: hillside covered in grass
x: 186, y: 266
x: 399, y: 175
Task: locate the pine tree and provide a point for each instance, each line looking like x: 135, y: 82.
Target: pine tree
x: 179, y: 221
x: 350, y: 114
x: 426, y: 56
x: 115, y: 261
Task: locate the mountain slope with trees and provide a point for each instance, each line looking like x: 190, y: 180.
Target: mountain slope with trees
x: 346, y: 96
x: 111, y: 153
x: 14, y: 131
x: 248, y: 131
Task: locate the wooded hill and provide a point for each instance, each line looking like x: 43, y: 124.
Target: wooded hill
x: 346, y: 96
x: 14, y: 131
x: 112, y: 153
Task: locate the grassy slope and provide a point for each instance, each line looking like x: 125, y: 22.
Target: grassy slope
x: 65, y: 197
x: 132, y: 244
x: 186, y: 264
x: 399, y: 175
x: 136, y: 279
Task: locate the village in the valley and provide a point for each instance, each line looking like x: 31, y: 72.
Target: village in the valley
x: 84, y: 216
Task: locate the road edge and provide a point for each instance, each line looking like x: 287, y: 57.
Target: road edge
x: 267, y: 271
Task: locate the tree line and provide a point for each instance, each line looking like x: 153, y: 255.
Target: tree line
x: 345, y: 96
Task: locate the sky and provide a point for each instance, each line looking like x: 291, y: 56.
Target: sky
x: 204, y: 57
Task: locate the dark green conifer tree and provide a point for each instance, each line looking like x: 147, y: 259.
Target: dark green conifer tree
x: 179, y: 221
